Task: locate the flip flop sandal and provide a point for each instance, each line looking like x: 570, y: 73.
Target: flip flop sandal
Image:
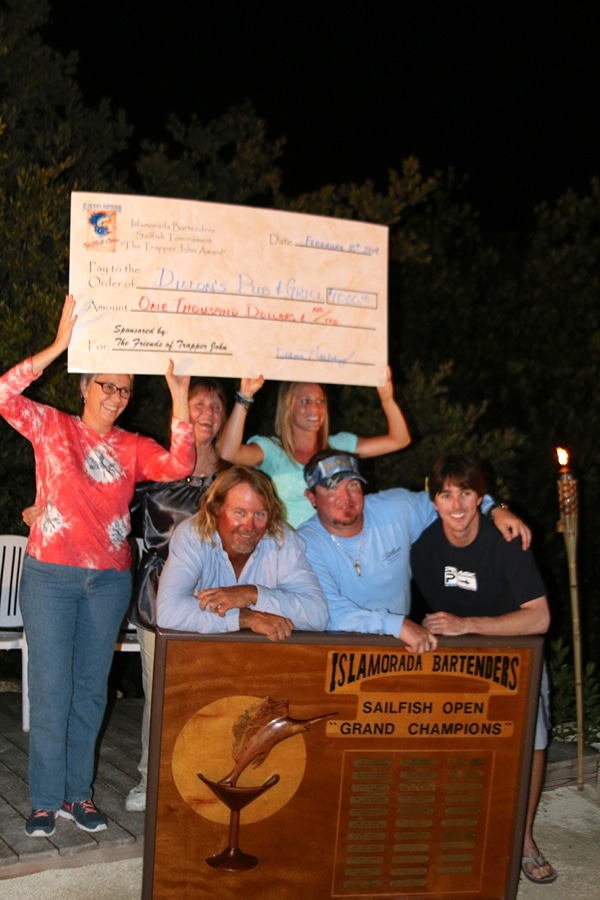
x: 538, y: 861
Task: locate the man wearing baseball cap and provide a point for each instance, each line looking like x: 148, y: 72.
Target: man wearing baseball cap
x: 359, y: 547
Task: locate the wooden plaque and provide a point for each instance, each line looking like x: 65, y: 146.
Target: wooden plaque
x: 338, y: 765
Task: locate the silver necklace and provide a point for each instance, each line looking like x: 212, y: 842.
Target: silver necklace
x: 355, y: 562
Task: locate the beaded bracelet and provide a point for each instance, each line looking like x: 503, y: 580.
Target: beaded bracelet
x: 246, y: 402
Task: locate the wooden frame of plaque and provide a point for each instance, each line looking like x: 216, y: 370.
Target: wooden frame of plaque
x: 338, y: 765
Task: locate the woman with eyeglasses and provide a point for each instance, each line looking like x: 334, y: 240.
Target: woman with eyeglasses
x: 156, y: 510
x: 302, y: 429
x: 76, y: 581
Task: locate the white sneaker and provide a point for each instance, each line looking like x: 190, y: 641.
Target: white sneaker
x: 135, y: 801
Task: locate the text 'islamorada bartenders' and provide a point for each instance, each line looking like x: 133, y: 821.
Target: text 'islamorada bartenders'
x: 436, y: 695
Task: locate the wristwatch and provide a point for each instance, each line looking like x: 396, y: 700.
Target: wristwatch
x: 492, y: 509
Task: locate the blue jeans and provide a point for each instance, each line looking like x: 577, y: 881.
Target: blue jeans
x: 72, y: 618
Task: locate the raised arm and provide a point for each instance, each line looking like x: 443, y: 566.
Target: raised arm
x: 179, y: 386
x: 42, y: 360
x: 398, y: 435
x: 231, y: 446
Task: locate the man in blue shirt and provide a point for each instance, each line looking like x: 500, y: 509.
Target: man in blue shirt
x: 359, y: 547
x: 236, y: 565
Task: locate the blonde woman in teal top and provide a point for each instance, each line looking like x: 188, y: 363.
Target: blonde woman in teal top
x: 302, y: 429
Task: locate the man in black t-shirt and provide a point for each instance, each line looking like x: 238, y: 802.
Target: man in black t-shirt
x: 474, y: 582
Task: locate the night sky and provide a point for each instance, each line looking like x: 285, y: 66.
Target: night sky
x: 505, y: 92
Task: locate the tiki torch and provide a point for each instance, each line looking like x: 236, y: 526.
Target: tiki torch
x: 568, y: 525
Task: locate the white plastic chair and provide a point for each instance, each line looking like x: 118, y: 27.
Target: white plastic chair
x: 12, y: 636
x: 127, y: 641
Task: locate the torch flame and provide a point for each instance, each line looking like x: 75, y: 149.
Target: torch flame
x: 563, y: 456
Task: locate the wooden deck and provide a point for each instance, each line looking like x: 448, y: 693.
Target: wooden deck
x: 69, y: 846
x: 117, y: 774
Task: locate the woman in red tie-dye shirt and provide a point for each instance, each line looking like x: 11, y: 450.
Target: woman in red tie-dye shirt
x: 76, y: 580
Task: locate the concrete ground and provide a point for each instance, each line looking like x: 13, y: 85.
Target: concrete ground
x: 567, y: 829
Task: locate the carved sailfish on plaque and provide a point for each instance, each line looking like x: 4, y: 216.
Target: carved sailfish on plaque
x: 255, y: 733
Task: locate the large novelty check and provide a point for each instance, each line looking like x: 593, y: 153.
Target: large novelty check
x: 226, y: 290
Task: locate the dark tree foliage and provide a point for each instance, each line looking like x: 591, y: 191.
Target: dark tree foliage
x: 50, y: 144
x: 228, y: 160
x: 519, y: 319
